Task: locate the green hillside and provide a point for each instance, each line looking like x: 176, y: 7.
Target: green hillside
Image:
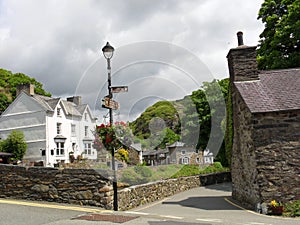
x: 184, y: 118
x: 8, y: 84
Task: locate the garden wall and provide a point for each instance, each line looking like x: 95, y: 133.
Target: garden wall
x: 88, y: 187
x: 134, y: 196
x: 74, y: 186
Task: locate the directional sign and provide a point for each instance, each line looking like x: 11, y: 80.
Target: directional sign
x: 119, y: 89
x: 108, y: 103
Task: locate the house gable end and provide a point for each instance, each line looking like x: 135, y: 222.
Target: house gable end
x: 23, y: 104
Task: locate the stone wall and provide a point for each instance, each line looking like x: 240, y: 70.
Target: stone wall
x: 74, y: 186
x: 277, y: 143
x: 243, y: 162
x: 265, y: 155
x: 87, y: 187
x: 146, y: 193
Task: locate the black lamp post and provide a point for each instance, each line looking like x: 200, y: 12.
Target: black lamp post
x: 108, y: 52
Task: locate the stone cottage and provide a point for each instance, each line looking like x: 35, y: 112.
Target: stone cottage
x: 266, y: 123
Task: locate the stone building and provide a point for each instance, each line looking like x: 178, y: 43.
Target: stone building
x: 266, y: 123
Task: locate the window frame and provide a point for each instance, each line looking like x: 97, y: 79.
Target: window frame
x: 60, y: 149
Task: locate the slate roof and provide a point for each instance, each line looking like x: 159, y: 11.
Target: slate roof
x: 71, y: 108
x: 50, y: 104
x: 276, y: 90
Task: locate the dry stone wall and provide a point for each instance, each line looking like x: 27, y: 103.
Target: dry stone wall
x: 88, y: 187
x: 146, y: 193
x: 74, y: 186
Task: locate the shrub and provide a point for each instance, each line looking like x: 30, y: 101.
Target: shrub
x: 292, y: 208
x: 187, y: 170
x: 15, y: 144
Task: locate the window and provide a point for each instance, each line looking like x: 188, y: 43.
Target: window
x: 185, y: 160
x: 182, y: 152
x: 87, y: 148
x: 86, y: 131
x: 58, y: 128
x: 60, y: 151
x: 58, y: 111
x: 197, y: 160
x: 85, y: 116
x: 73, y: 130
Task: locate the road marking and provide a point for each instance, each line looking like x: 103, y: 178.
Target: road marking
x: 137, y: 213
x: 44, y: 205
x: 258, y: 214
x: 172, y: 217
x: 210, y: 220
x: 255, y: 223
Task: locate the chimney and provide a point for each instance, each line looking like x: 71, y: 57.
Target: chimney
x: 75, y: 99
x: 27, y: 88
x: 242, y: 62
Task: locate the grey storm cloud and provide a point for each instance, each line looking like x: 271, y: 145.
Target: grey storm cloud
x: 160, y: 45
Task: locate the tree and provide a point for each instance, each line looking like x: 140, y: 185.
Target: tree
x: 15, y: 144
x: 4, y: 102
x: 280, y: 40
x: 9, y: 83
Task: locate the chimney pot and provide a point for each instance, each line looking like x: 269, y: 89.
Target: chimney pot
x: 75, y: 99
x: 240, y: 38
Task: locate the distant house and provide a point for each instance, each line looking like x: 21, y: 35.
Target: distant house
x: 178, y: 153
x: 266, y: 129
x: 54, y: 128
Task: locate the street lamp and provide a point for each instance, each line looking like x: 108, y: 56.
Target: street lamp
x: 108, y: 52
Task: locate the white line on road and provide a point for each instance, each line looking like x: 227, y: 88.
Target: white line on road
x: 137, y: 213
x: 255, y: 223
x: 171, y: 217
x: 210, y: 220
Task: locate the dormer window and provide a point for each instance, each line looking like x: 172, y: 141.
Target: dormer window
x: 58, y: 111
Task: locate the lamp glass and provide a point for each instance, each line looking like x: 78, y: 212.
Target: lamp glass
x: 108, y: 51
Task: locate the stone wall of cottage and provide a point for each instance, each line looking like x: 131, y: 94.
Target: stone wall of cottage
x: 135, y: 196
x: 74, y: 186
x: 265, y: 155
x: 277, y: 143
x: 243, y: 162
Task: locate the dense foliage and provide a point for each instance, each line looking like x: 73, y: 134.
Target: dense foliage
x: 191, y: 170
x: 280, y: 40
x: 8, y: 84
x: 15, y: 144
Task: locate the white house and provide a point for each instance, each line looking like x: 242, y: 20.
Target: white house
x: 54, y: 128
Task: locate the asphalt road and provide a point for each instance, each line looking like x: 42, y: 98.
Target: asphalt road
x: 209, y: 205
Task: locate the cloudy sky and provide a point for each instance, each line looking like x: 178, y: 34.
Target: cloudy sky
x: 164, y: 49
